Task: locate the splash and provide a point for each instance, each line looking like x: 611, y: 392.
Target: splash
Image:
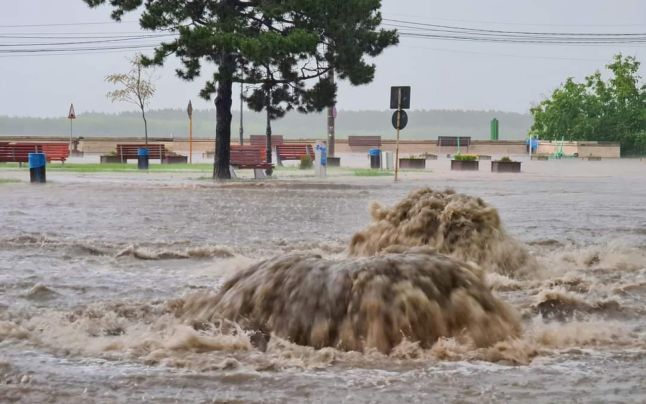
x: 461, y: 226
x: 361, y: 303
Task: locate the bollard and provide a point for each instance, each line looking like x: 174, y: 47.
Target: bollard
x: 320, y: 157
x: 142, y: 158
x: 37, y: 163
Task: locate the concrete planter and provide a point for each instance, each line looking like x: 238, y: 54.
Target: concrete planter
x: 334, y: 161
x: 505, y: 166
x: 175, y: 160
x: 412, y: 164
x: 110, y: 160
x: 464, y: 165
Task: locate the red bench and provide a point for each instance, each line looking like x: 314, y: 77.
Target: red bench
x: 130, y: 151
x: 254, y: 157
x: 18, y: 152
x: 261, y: 140
x: 55, y: 151
x: 293, y: 151
x: 364, y: 142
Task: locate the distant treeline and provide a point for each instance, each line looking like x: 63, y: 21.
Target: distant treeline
x: 174, y: 123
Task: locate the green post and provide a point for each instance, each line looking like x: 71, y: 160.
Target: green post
x: 494, y: 129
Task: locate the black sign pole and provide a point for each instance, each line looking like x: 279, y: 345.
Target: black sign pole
x: 399, y: 112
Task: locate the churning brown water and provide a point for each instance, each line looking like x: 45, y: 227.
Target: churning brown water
x: 358, y: 304
x: 510, y: 288
x: 462, y: 226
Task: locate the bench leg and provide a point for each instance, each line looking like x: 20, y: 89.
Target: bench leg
x: 233, y: 173
x: 259, y: 173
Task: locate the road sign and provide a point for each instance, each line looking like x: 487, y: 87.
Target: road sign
x: 71, y: 114
x: 189, y: 109
x: 405, y: 97
x: 403, y: 119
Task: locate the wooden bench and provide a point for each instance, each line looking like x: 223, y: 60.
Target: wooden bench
x: 364, y: 142
x: 293, y: 151
x: 130, y: 151
x: 253, y: 157
x: 18, y: 152
x: 261, y: 140
x: 55, y: 151
x: 464, y: 141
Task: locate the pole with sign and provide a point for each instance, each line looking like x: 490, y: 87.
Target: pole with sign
x: 189, y: 109
x: 71, y: 116
x: 400, y: 100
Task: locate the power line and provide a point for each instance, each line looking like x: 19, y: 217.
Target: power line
x: 74, y: 53
x: 46, y: 50
x: 69, y: 24
x: 520, y: 40
x: 414, y: 29
x: 45, y: 35
x: 525, y: 24
x: 77, y: 42
x: 509, y: 32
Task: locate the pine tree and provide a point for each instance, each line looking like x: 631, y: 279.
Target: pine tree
x: 277, y: 44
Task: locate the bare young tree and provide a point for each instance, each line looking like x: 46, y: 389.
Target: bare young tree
x: 136, y: 87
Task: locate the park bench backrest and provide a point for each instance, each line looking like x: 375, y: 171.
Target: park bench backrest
x: 364, y: 141
x: 294, y: 151
x: 130, y: 151
x: 261, y: 140
x: 56, y: 151
x: 453, y: 141
x: 18, y: 152
x: 248, y: 156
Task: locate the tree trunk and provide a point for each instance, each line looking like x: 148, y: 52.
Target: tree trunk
x: 330, y: 122
x: 223, y: 103
x: 143, y: 115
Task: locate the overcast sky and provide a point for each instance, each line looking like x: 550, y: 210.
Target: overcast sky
x: 443, y: 74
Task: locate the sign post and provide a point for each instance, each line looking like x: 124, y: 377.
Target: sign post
x: 189, y: 109
x: 400, y: 100
x: 71, y: 116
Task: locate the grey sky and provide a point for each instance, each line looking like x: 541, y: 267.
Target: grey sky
x: 443, y: 74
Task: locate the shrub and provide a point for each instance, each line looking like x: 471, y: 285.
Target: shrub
x: 306, y: 162
x: 465, y: 157
x: 505, y: 160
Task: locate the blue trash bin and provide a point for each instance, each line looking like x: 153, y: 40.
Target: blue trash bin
x: 375, y: 158
x: 37, y: 164
x: 142, y: 158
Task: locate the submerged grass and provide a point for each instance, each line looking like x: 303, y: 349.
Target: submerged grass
x: 116, y: 167
x: 367, y: 172
x: 8, y: 181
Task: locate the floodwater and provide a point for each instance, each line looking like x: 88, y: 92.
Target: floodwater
x: 94, y: 267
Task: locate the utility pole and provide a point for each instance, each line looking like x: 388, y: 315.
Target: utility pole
x: 241, y: 105
x: 189, y: 110
x: 71, y: 116
x: 331, y: 116
x: 399, y: 117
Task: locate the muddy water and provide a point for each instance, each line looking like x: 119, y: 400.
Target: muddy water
x: 94, y: 274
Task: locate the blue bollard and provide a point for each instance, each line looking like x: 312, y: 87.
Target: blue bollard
x: 142, y: 158
x: 37, y: 171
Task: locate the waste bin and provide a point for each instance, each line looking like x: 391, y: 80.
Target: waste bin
x: 37, y: 163
x: 142, y: 158
x: 375, y: 158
